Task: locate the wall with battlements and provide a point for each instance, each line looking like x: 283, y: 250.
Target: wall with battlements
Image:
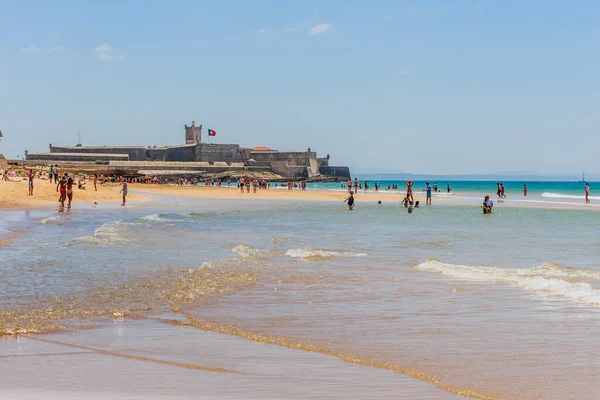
x: 135, y: 153
x: 302, y: 164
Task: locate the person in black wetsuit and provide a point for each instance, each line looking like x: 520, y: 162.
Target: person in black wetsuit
x: 350, y: 201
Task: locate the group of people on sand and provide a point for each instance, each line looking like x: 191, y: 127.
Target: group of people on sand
x: 248, y: 183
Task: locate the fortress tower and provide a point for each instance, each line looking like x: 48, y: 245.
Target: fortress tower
x: 193, y: 134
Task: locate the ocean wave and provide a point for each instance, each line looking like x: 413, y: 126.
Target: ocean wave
x: 567, y: 196
x: 247, y: 251
x: 320, y: 253
x: 155, y: 218
x: 546, y: 279
x: 114, y: 232
x: 51, y: 220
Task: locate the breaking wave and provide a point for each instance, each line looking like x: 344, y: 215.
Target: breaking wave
x: 114, y: 232
x: 320, y: 254
x: 51, y: 220
x: 567, y: 196
x: 247, y: 251
x: 548, y: 279
x: 155, y: 218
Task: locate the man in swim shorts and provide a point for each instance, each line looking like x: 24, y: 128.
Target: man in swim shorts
x: 31, y: 177
x: 63, y: 190
x: 428, y: 190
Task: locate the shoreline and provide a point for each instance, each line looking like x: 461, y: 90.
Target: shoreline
x: 14, y: 196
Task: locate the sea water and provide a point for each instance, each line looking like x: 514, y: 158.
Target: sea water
x: 287, y: 296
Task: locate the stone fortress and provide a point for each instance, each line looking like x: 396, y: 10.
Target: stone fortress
x: 192, y: 158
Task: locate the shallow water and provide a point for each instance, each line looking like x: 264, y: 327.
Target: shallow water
x: 502, y: 305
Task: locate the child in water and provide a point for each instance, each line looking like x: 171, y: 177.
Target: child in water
x: 350, y: 201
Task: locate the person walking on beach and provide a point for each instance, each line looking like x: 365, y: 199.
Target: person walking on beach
x: 498, y: 190
x: 356, y: 185
x: 124, y: 191
x: 502, y: 191
x: 31, y: 177
x: 349, y: 185
x: 428, y: 190
x: 70, y: 183
x: 55, y: 171
x: 587, y: 193
x: 62, y: 184
x: 525, y: 190
x: 96, y: 182
x: 350, y: 200
x: 241, y: 184
x: 254, y: 185
x: 248, y: 185
x: 409, y: 189
x: 449, y: 190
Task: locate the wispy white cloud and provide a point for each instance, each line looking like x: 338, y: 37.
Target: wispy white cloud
x: 320, y: 28
x: 403, y: 72
x: 263, y: 30
x: 36, y: 50
x: 419, y: 11
x: 107, y: 53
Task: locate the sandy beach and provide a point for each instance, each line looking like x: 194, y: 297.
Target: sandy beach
x: 13, y: 194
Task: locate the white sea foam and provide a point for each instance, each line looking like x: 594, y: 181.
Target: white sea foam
x: 51, y: 220
x: 320, y: 253
x: 547, y: 279
x: 247, y: 251
x: 154, y: 218
x: 114, y: 232
x: 567, y: 196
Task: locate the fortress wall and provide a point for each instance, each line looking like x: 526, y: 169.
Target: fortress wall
x: 134, y: 153
x: 343, y: 173
x: 156, y: 154
x: 292, y: 158
x: 219, y: 152
x: 182, y: 153
x: 85, y: 157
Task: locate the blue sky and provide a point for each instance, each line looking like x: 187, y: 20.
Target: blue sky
x: 449, y: 87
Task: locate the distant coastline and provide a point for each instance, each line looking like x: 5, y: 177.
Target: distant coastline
x: 473, y: 177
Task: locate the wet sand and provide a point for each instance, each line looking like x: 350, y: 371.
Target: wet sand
x: 132, y: 362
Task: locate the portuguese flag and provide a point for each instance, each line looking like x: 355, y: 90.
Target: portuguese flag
x: 212, y: 133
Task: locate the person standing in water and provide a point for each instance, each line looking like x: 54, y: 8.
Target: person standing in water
x: 525, y: 190
x: 63, y: 190
x: 350, y: 201
x: 355, y: 185
x: 124, y: 191
x: 587, y: 193
x: 487, y: 205
x: 428, y: 189
x: 448, y: 189
x: 409, y: 189
x: 70, y: 182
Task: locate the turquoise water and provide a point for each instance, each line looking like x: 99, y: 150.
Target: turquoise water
x: 504, y: 305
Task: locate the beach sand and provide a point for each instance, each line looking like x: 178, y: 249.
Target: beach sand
x: 14, y: 194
